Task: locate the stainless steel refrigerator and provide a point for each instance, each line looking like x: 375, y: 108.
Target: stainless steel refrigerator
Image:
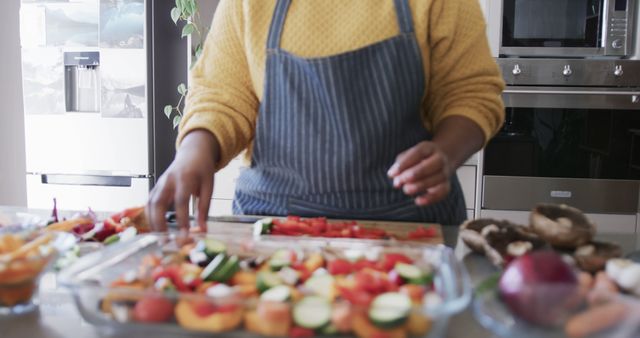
x: 96, y: 74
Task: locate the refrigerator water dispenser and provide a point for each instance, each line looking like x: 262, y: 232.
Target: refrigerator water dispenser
x: 82, y: 81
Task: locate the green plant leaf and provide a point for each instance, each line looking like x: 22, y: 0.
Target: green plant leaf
x: 188, y: 29
x: 185, y: 8
x: 168, y: 109
x: 182, y: 89
x: 192, y: 7
x: 176, y: 121
x: 175, y: 15
x: 179, y: 5
x: 198, y: 51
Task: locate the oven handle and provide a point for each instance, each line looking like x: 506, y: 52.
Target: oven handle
x: 634, y: 94
x: 571, y: 98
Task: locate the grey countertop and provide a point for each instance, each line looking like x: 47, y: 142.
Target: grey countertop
x: 58, y: 317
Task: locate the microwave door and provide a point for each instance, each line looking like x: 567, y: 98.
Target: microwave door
x: 565, y: 28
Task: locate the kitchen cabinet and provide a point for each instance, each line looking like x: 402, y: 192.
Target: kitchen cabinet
x: 224, y: 187
x: 492, y: 16
x: 467, y: 177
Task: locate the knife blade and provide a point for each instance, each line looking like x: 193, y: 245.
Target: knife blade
x: 171, y: 218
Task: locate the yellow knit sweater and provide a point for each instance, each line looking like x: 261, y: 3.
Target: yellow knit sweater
x: 227, y: 83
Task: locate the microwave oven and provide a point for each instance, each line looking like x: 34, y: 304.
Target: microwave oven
x: 565, y: 28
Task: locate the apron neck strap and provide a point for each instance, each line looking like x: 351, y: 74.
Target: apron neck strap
x: 405, y: 20
x: 403, y: 12
x: 277, y: 24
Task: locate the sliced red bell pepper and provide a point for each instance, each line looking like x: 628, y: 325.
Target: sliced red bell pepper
x: 299, y: 332
x: 422, y: 233
x: 364, y: 264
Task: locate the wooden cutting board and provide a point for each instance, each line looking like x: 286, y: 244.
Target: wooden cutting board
x: 397, y: 229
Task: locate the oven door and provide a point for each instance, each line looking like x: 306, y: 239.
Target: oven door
x: 566, y: 145
x: 566, y: 28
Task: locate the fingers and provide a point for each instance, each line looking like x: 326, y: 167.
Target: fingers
x: 159, y: 201
x: 422, y: 171
x: 410, y: 158
x: 420, y: 186
x: 433, y: 165
x: 181, y: 204
x: 204, y: 200
x: 434, y: 195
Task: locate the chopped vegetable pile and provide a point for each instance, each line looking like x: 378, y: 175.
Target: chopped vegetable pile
x: 204, y: 286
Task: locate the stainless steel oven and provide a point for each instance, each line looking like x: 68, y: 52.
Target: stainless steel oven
x: 571, y: 135
x: 566, y: 28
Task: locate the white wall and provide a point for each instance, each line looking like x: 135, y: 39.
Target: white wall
x: 12, y: 149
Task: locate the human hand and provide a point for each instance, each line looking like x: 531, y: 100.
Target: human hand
x: 190, y: 174
x: 423, y: 171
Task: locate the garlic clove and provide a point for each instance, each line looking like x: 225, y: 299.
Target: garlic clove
x: 615, y: 266
x: 629, y: 278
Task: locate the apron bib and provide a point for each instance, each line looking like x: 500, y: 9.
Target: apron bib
x: 329, y: 128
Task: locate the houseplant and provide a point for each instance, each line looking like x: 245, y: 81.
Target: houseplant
x: 187, y: 14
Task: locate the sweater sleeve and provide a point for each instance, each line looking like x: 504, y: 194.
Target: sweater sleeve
x: 221, y: 96
x: 464, y: 80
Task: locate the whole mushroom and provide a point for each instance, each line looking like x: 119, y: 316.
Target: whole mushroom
x: 593, y: 257
x: 564, y: 227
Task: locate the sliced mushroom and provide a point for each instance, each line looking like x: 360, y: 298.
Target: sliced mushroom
x: 473, y: 232
x: 511, y: 241
x: 562, y: 226
x: 493, y: 238
x: 593, y: 257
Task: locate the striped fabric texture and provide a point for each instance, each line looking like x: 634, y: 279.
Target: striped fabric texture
x: 329, y: 128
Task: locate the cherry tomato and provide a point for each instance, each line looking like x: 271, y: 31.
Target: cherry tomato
x: 356, y: 297
x: 203, y: 308
x: 153, y: 309
x: 339, y: 267
x: 172, y: 272
x: 389, y: 260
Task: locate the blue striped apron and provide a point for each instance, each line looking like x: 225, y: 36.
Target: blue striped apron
x: 329, y: 128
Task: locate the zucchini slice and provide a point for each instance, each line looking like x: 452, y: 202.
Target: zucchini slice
x: 390, y: 310
x: 412, y: 274
x: 321, y: 285
x: 213, y: 247
x: 280, y: 293
x: 280, y: 259
x: 263, y: 226
x: 227, y: 270
x: 216, y: 264
x: 312, y: 312
x: 267, y: 280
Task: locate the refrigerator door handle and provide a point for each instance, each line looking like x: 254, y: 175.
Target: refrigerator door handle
x: 93, y: 180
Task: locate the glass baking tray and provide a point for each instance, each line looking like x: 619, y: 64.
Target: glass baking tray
x: 90, y: 277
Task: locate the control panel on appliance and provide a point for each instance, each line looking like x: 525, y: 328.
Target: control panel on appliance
x: 617, y: 38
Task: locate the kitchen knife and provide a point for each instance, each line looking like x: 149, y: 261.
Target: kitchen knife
x: 172, y: 219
